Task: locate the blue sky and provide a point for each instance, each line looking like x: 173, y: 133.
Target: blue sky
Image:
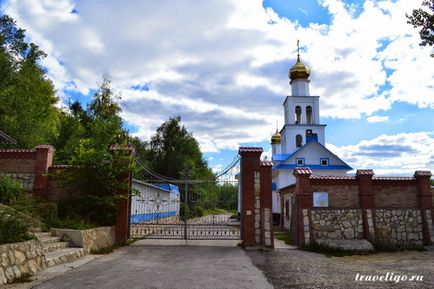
x: 222, y: 65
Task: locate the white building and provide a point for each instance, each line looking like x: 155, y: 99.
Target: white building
x: 301, y: 141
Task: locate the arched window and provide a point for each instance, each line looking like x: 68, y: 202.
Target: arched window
x: 298, y: 140
x: 309, y: 114
x: 297, y: 115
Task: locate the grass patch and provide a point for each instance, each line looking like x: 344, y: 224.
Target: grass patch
x: 108, y: 250
x: 383, y: 247
x: 329, y: 252
x: 25, y: 277
x: 284, y: 236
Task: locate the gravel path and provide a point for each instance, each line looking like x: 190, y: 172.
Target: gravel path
x: 302, y: 269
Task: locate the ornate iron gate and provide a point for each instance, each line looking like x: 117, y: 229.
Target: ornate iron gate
x: 164, y: 208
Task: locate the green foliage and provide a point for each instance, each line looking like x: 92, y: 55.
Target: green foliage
x: 25, y: 277
x: 12, y: 195
x: 27, y: 100
x: 8, y: 190
x: 423, y: 19
x: 13, y: 228
x: 175, y: 153
x: 102, y: 172
x: 283, y: 236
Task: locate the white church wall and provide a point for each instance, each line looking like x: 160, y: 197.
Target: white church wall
x: 291, y: 131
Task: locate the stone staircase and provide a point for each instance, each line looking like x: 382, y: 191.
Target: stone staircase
x: 56, y: 251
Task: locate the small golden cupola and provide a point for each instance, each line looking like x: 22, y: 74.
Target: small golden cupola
x: 299, y: 70
x: 275, y: 139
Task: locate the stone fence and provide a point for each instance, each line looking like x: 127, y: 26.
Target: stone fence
x: 392, y: 211
x: 20, y: 258
x: 28, y: 166
x: 92, y: 240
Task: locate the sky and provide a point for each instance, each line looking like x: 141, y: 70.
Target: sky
x: 222, y: 66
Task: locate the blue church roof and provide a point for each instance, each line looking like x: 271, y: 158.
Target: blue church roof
x: 284, y: 157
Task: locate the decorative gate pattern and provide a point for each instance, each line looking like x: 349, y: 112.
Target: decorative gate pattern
x: 164, y: 208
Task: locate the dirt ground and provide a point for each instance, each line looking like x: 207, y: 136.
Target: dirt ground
x: 302, y: 269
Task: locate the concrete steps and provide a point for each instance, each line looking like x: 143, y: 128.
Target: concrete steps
x: 62, y: 256
x: 56, y: 251
x: 51, y: 247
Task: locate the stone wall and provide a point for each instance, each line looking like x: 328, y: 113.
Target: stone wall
x: 398, y: 227
x: 28, y: 166
x: 91, y: 240
x: 393, y: 211
x: 26, y: 180
x: 337, y: 224
x: 20, y: 258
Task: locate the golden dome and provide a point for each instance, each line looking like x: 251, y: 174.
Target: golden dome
x: 275, y: 139
x: 299, y: 71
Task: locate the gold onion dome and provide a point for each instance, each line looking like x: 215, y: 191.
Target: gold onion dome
x: 299, y: 71
x: 275, y: 139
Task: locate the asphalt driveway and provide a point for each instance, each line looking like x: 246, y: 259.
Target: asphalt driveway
x: 165, y: 267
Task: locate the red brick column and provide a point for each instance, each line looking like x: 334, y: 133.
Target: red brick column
x: 366, y: 201
x: 123, y: 217
x: 424, y: 199
x: 303, y: 194
x: 122, y: 226
x: 267, y: 234
x: 44, y: 160
x: 250, y: 162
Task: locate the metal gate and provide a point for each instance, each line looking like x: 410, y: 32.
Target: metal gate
x: 163, y: 208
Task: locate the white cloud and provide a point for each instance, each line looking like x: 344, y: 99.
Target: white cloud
x: 399, y: 154
x: 222, y: 65
x: 377, y: 118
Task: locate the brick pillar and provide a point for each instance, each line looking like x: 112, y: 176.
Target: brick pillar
x: 44, y: 160
x: 250, y: 164
x: 267, y: 237
x: 366, y: 202
x: 424, y: 199
x: 303, y: 194
x: 122, y: 226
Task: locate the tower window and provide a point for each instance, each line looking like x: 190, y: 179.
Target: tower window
x: 299, y: 162
x: 309, y: 114
x: 298, y: 140
x: 297, y: 114
x: 324, y: 162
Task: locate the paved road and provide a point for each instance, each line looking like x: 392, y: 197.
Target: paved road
x: 165, y: 267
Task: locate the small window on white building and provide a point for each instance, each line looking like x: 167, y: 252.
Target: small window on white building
x: 324, y: 162
x: 298, y: 141
x: 320, y: 199
x: 299, y: 162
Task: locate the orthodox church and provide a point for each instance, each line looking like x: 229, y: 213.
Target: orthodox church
x: 301, y: 141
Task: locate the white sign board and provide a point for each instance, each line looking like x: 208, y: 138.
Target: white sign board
x: 320, y: 199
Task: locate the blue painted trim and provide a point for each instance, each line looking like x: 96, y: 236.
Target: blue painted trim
x: 273, y: 186
x: 137, y: 218
x: 169, y: 187
x: 298, y: 159
x: 313, y: 167
x: 328, y: 162
x: 281, y: 157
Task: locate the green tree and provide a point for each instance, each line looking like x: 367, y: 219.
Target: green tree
x: 424, y: 20
x: 175, y: 153
x: 27, y: 100
x: 96, y: 182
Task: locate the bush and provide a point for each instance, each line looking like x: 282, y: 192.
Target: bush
x: 9, y: 189
x: 13, y: 228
